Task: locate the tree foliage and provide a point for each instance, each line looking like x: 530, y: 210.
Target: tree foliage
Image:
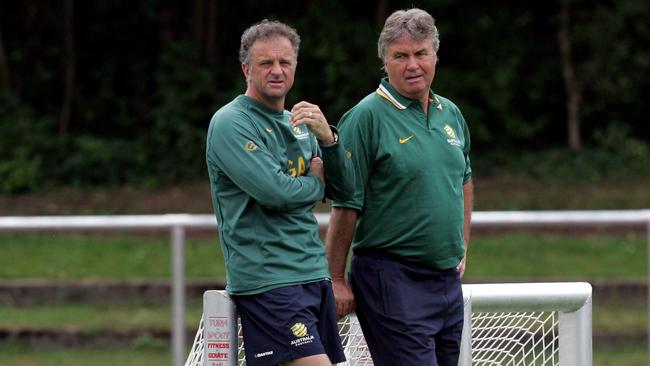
x: 115, y: 92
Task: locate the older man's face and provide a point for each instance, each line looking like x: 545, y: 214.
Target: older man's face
x: 411, y: 66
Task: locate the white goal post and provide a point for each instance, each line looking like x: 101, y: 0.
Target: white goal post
x: 515, y: 324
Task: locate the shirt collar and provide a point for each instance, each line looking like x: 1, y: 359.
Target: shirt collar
x: 386, y: 91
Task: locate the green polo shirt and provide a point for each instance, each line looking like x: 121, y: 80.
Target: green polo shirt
x: 410, y: 169
x: 263, y: 195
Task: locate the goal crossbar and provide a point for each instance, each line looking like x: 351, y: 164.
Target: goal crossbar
x: 563, y: 338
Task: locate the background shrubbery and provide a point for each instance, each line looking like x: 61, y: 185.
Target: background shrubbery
x: 147, y: 76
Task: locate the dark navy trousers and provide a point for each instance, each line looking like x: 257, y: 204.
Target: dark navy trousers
x: 410, y: 315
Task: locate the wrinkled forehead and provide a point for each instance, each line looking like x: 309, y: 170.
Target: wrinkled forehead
x: 275, y: 45
x: 407, y: 42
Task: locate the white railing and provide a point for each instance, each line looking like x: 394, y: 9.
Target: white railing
x: 178, y: 223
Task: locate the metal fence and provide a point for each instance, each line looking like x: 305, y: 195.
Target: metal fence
x: 178, y: 223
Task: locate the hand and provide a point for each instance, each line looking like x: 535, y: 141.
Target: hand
x: 461, y: 267
x: 311, y: 115
x: 316, y: 167
x: 343, y: 296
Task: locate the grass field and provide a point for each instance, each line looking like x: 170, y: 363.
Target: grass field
x: 93, y: 317
x: 513, y: 255
x: 21, y: 355
x: 17, y: 355
x: 621, y: 356
x: 617, y: 316
x: 118, y: 255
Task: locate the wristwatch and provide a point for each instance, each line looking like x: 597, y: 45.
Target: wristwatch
x: 336, y: 138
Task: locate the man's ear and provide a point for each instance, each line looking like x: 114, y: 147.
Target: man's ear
x: 246, y: 70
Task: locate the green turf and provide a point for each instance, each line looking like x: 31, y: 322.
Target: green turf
x: 560, y: 256
x: 92, y: 317
x: 621, y: 356
x: 23, y: 355
x: 618, y: 317
x: 622, y: 317
x: 107, y: 255
x: 125, y: 255
x: 119, y: 255
x: 514, y: 192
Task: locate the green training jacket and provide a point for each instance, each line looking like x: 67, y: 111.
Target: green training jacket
x: 263, y: 195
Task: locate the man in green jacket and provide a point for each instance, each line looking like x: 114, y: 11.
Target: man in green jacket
x: 267, y: 168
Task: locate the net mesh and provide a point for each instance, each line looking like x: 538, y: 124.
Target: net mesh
x: 515, y: 339
x: 195, y: 357
x: 498, y: 339
x: 355, y: 348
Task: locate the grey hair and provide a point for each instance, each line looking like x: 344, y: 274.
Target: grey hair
x: 416, y: 23
x: 266, y: 29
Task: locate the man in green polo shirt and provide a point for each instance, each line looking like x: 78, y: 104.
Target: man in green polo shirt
x: 408, y: 222
x: 267, y: 168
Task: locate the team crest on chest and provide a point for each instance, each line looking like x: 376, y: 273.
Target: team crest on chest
x: 300, y: 133
x: 452, y: 139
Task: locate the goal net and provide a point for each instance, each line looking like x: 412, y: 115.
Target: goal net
x: 526, y: 324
